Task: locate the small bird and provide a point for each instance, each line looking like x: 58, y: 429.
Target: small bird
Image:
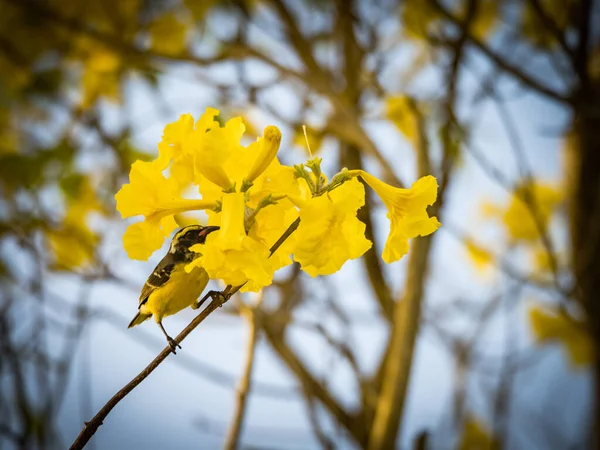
x: 169, y: 288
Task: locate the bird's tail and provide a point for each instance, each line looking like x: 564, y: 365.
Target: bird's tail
x: 139, y: 318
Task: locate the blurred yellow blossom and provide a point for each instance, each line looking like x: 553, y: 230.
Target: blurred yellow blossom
x: 399, y: 110
x: 407, y: 211
x: 101, y: 77
x: 552, y: 325
x: 481, y: 258
x: 529, y: 210
x: 168, y: 34
x: 475, y: 436
x: 72, y: 246
x: 73, y: 243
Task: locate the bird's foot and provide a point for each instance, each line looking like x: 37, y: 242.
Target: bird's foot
x: 173, y: 344
x: 214, y: 295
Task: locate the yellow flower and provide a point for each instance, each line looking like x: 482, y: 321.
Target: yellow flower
x: 151, y: 195
x: 141, y: 239
x: 550, y: 325
x: 275, y: 179
x: 400, y: 111
x: 101, y: 77
x: 481, y: 258
x: 232, y: 256
x: 329, y: 233
x: 268, y: 147
x: 175, y: 147
x: 475, y: 436
x: 72, y: 243
x: 523, y: 222
x: 72, y: 247
x: 407, y: 211
x: 212, y: 149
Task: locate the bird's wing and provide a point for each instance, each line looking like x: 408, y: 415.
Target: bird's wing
x: 160, y: 275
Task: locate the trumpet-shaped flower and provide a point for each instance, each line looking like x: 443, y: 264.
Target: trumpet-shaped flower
x: 329, y: 233
x: 253, y: 166
x: 141, y: 239
x: 171, y: 147
x: 231, y: 255
x: 213, y: 147
x: 268, y: 146
x: 407, y: 211
x: 270, y: 224
x: 151, y: 195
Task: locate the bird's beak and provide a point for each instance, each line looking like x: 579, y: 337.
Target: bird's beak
x: 207, y: 230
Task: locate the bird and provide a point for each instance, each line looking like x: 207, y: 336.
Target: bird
x: 169, y: 288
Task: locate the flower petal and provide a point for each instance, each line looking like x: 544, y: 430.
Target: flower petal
x: 141, y: 239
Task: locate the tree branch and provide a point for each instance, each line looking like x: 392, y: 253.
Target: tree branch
x: 501, y: 61
x: 233, y: 435
x: 390, y: 403
x: 312, y: 388
x: 92, y: 426
x: 586, y: 14
x: 552, y: 26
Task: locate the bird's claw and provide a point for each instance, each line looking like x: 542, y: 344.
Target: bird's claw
x: 173, y: 344
x: 215, y: 296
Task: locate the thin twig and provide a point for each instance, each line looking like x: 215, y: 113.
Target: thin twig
x: 92, y: 426
x: 501, y: 62
x: 235, y: 429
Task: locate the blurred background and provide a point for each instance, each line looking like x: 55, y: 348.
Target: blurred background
x: 483, y: 337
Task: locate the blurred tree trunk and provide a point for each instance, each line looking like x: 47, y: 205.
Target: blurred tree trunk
x: 585, y: 190
x: 585, y: 221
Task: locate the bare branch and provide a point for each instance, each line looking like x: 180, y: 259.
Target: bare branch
x: 501, y: 61
x: 312, y: 388
x: 92, y: 426
x: 551, y: 26
x: 235, y: 428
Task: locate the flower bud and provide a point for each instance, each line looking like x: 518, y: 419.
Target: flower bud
x: 268, y: 147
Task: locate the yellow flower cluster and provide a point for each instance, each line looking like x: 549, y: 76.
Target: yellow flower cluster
x: 254, y: 199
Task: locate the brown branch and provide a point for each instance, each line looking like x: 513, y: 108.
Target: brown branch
x: 345, y: 122
x: 551, y: 26
x: 395, y: 368
x: 302, y: 46
x: 233, y: 435
x: 390, y: 403
x: 313, y: 418
x: 585, y: 17
x: 194, y: 366
x: 501, y: 61
x: 92, y: 426
x: 312, y: 388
